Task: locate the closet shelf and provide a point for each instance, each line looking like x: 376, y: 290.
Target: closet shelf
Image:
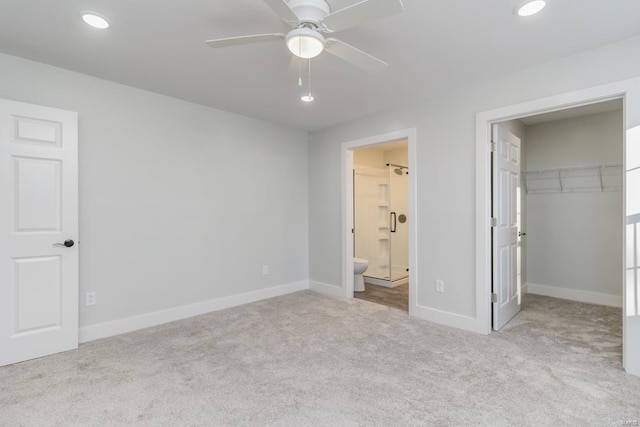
x: 573, y: 179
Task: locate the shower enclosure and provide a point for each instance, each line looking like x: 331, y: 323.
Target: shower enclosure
x: 381, y: 205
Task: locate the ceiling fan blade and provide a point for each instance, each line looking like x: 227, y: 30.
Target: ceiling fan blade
x: 359, y: 13
x: 235, y: 41
x: 281, y: 7
x: 355, y: 56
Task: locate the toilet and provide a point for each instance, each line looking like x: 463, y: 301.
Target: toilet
x: 360, y: 265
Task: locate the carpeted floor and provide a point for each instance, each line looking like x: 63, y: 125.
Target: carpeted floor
x: 397, y: 297
x: 305, y: 359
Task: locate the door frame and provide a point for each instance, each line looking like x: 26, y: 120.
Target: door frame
x: 347, y: 207
x: 629, y: 92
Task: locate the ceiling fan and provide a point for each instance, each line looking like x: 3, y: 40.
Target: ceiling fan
x: 311, y: 18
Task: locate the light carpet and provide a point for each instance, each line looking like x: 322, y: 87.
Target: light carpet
x: 307, y: 360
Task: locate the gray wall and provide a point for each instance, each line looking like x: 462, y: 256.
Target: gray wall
x: 445, y: 169
x: 179, y: 203
x: 574, y: 240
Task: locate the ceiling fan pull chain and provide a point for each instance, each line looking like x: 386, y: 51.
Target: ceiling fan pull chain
x: 308, y: 97
x: 300, y: 65
x: 309, y: 78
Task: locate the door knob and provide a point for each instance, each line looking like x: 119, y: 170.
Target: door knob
x: 67, y: 243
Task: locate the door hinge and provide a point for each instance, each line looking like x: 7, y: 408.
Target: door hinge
x: 494, y: 147
x: 494, y: 222
x: 494, y: 298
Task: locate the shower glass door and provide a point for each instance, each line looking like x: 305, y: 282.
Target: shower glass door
x: 381, y: 206
x: 371, y: 191
x: 398, y: 223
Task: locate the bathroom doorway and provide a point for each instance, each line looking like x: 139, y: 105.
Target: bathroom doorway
x: 348, y: 229
x: 380, y: 196
x: 381, y: 222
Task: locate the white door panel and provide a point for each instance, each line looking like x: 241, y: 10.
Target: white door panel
x: 37, y: 292
x: 39, y: 210
x: 37, y: 194
x: 506, y: 265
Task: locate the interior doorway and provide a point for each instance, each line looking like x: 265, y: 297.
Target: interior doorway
x: 566, y: 209
x: 381, y: 223
x: 406, y: 137
x: 629, y: 92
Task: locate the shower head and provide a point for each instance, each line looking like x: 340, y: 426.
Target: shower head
x: 399, y: 169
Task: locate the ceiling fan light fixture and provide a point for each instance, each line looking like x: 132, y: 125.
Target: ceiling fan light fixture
x: 530, y: 8
x: 305, y: 42
x: 95, y: 20
x: 306, y: 98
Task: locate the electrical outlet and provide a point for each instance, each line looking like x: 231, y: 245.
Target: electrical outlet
x: 440, y: 286
x: 265, y: 270
x: 90, y: 298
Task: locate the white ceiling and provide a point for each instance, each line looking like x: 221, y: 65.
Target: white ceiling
x: 432, y: 47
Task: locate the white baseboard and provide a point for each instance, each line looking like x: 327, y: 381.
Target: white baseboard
x: 448, y: 319
x: 327, y: 289
x: 574, y: 295
x: 426, y: 313
x: 129, y: 324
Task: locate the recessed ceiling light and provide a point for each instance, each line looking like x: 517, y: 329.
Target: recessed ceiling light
x: 307, y: 98
x: 530, y: 8
x: 95, y: 20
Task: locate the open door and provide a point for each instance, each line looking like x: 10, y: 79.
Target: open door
x: 39, y: 220
x: 505, y: 222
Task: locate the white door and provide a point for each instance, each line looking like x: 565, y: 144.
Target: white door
x: 506, y: 257
x: 38, y: 214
